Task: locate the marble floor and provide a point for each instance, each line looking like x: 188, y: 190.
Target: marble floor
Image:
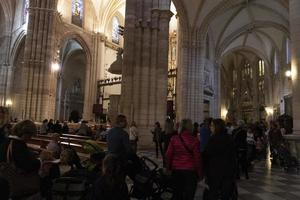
x: 266, y: 183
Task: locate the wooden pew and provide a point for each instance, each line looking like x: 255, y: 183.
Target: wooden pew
x: 43, y: 140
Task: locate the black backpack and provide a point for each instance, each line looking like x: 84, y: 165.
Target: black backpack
x: 70, y: 188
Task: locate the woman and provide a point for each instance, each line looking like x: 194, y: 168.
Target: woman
x: 44, y: 127
x: 133, y: 136
x: 15, y: 156
x: 219, y: 160
x: 112, y: 185
x: 183, y: 159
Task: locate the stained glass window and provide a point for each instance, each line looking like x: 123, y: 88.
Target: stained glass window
x: 115, y: 31
x: 77, y: 12
x: 261, y: 67
x: 25, y: 11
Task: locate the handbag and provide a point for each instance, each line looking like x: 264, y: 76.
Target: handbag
x: 21, y: 184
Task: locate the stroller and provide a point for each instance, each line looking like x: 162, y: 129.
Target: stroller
x: 285, y: 158
x: 150, y: 182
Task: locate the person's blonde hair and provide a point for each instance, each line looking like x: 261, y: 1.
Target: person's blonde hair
x: 186, y: 125
x: 25, y: 127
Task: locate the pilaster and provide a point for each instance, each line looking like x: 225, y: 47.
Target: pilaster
x: 145, y: 65
x: 295, y: 40
x: 37, y: 97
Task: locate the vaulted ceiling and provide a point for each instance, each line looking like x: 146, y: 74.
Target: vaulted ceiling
x: 260, y: 25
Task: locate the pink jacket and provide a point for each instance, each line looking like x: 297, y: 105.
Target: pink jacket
x: 181, y: 159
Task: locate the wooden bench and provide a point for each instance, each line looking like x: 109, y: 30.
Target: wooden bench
x: 43, y: 140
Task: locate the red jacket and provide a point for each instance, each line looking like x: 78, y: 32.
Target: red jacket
x: 178, y: 157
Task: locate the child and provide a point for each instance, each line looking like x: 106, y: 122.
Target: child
x: 112, y: 185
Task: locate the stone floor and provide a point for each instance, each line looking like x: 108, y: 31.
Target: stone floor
x: 266, y: 183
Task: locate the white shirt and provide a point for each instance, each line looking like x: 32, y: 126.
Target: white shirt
x: 133, y: 133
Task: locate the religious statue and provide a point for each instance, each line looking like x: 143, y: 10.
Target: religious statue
x: 77, y: 86
x: 77, y: 11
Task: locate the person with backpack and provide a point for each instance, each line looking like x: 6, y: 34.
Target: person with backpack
x: 184, y: 160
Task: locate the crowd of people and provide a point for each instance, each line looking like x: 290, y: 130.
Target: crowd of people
x: 212, y: 151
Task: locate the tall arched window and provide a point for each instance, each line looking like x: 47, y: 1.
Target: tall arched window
x: 207, y: 47
x: 261, y: 68
x: 288, y: 51
x: 25, y: 11
x: 115, y: 36
x: 77, y: 12
x: 276, y: 66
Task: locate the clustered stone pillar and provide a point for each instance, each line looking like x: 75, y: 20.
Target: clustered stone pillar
x: 38, y: 53
x: 190, y: 75
x: 256, y: 105
x: 94, y: 66
x: 295, y: 40
x: 145, y: 64
x: 5, y: 67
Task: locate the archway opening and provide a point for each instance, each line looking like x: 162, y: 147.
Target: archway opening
x: 71, y: 81
x: 3, y: 47
x: 172, y: 66
x: 17, y: 80
x: 245, y: 91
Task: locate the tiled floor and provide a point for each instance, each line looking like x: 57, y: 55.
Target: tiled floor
x: 265, y: 183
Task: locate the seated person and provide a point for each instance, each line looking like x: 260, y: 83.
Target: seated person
x: 84, y: 129
x: 57, y: 128
x: 14, y: 150
x: 65, y: 128
x: 112, y: 185
x: 54, y: 146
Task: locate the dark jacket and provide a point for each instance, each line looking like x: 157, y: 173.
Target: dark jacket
x: 118, y: 142
x: 219, y: 157
x: 57, y: 128
x: 205, y: 134
x: 65, y: 129
x: 275, y: 137
x: 240, y: 139
x: 21, y: 155
x: 105, y: 191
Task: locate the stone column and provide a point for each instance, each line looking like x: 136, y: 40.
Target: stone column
x: 216, y: 107
x: 145, y: 65
x: 237, y: 64
x: 95, y: 63
x: 255, y: 77
x: 295, y: 41
x: 5, y: 67
x: 190, y: 76
x: 37, y: 99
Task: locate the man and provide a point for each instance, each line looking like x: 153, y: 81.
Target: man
x: 205, y: 134
x: 119, y: 145
x: 241, y: 146
x: 118, y: 139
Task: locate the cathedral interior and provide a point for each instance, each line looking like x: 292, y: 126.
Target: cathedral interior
x: 231, y: 59
x: 152, y: 59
